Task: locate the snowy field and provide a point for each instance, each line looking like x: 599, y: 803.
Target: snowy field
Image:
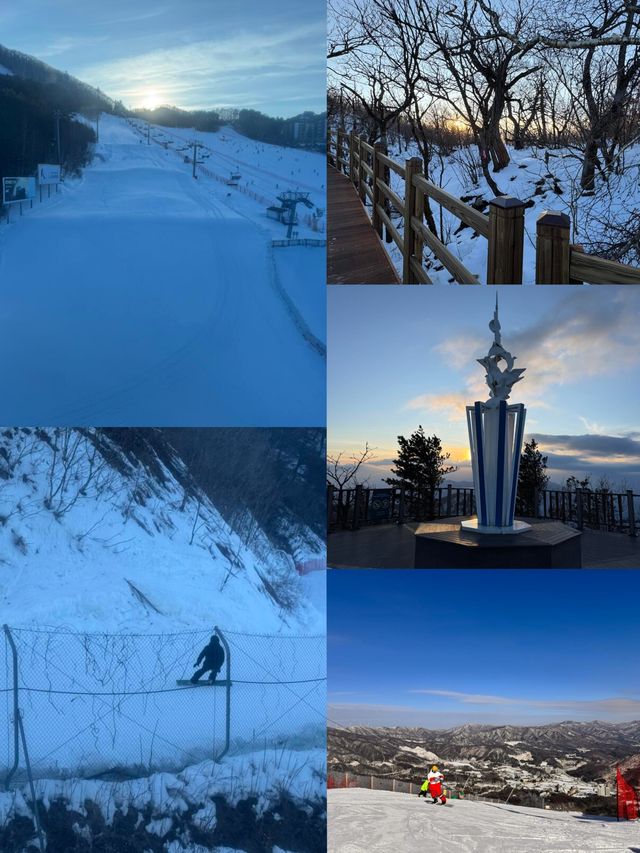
x: 362, y: 821
x: 138, y: 295
x: 546, y: 180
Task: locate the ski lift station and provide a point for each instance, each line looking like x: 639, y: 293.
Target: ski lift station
x: 286, y: 211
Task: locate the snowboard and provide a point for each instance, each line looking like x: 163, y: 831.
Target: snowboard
x: 186, y: 683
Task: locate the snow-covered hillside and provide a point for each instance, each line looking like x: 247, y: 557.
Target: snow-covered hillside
x: 81, y: 519
x: 115, y: 567
x: 544, y: 180
x: 362, y: 821
x: 140, y: 295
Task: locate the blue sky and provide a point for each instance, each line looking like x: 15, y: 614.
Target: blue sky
x: 444, y: 648
x: 404, y: 356
x: 190, y: 53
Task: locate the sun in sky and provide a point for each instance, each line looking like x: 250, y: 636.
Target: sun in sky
x: 150, y: 100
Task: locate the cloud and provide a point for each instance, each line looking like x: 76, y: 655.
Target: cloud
x: 454, y: 404
x: 577, y: 339
x: 613, y: 705
x: 592, y: 454
x: 464, y: 708
x: 233, y: 70
x: 340, y: 714
x: 67, y: 43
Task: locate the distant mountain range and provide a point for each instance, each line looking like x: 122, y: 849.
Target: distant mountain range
x: 569, y: 758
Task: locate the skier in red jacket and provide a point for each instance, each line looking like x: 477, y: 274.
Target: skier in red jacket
x: 436, y: 779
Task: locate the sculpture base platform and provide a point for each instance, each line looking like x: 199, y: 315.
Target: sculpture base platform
x: 474, y: 525
x: 445, y: 544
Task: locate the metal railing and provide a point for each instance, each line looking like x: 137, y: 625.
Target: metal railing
x: 350, y: 509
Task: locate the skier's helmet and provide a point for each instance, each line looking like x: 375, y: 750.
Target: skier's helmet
x: 434, y: 768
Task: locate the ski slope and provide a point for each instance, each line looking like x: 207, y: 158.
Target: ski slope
x: 363, y: 821
x: 138, y: 295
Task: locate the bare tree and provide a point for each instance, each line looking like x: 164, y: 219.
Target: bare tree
x: 342, y: 472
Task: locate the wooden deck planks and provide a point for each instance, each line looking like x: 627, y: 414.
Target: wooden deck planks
x: 355, y: 254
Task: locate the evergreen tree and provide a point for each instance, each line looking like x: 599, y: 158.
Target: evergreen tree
x: 532, y: 476
x: 420, y: 466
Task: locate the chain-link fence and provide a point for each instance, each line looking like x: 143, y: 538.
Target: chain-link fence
x: 111, y: 705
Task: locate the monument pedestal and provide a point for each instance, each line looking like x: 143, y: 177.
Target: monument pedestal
x: 445, y: 544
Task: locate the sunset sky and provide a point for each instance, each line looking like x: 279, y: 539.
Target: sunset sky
x: 192, y: 54
x: 405, y: 356
x: 511, y: 647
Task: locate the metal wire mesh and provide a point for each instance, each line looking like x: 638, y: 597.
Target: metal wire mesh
x: 109, y: 705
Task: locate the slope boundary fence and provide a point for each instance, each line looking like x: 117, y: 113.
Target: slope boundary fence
x: 120, y: 705
x: 351, y: 509
x: 558, y: 261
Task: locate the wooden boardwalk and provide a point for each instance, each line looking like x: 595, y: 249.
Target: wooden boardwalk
x: 354, y: 252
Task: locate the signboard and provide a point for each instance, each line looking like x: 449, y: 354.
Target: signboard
x: 48, y: 174
x: 18, y: 189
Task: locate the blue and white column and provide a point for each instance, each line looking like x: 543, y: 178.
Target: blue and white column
x: 496, y: 434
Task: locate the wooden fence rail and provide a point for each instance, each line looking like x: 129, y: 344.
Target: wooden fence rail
x: 557, y: 260
x: 350, y: 509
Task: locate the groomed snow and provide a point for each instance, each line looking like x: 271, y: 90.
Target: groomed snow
x: 363, y: 821
x: 138, y: 295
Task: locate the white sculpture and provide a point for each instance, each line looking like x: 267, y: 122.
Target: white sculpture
x: 499, y: 381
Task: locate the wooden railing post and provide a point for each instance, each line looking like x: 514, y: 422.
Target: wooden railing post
x: 378, y: 173
x: 631, y: 513
x: 362, y: 177
x: 506, y: 240
x: 552, y: 248
x: 412, y: 247
x: 352, y: 170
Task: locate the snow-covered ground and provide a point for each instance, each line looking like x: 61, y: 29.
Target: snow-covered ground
x: 168, y: 808
x: 362, y: 821
x: 138, y: 295
x: 546, y: 180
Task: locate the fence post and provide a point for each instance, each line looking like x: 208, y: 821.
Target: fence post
x: 16, y: 709
x: 632, y: 513
x: 449, y: 500
x: 361, y: 173
x: 330, y: 491
x: 227, y: 729
x: 552, y: 248
x: 376, y: 221
x: 506, y: 240
x: 352, y: 171
x: 579, y: 510
x: 357, y: 499
x: 536, y: 501
x: 412, y: 247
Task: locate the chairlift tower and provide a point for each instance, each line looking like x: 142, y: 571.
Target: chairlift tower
x: 289, y: 201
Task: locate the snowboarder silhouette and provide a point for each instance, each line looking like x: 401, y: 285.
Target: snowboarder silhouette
x: 212, y: 658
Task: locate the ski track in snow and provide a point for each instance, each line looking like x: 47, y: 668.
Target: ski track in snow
x: 363, y: 821
x: 138, y: 295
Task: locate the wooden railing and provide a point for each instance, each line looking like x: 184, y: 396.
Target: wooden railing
x: 350, y: 509
x: 557, y: 261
